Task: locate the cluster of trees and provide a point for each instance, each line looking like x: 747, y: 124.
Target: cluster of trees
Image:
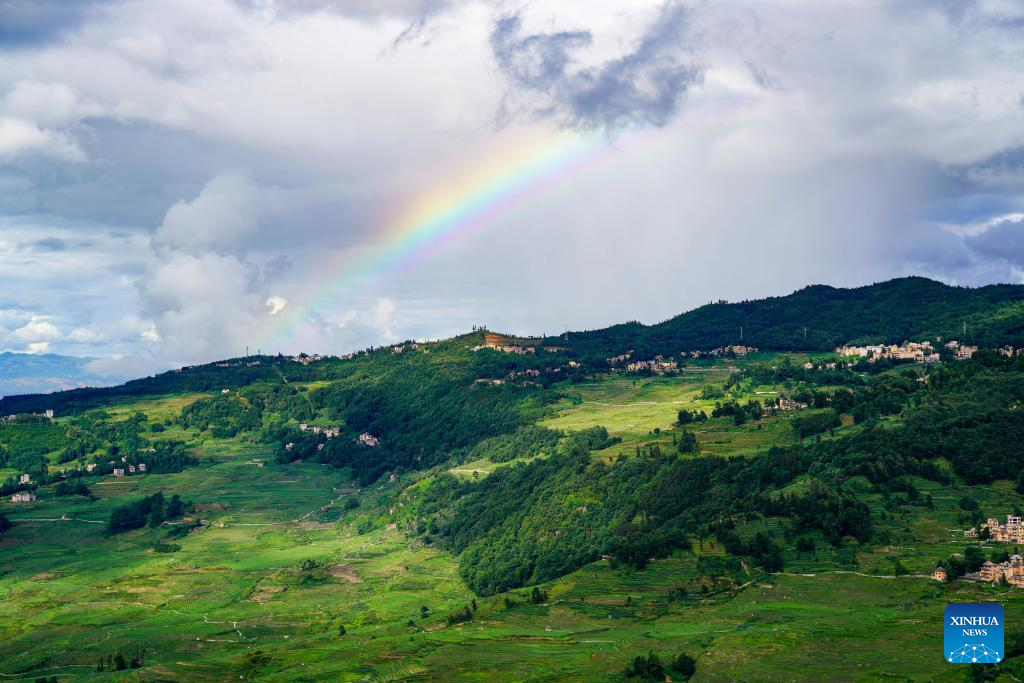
x: 761, y: 547
x: 685, y: 417
x: 651, y: 668
x: 751, y: 410
x: 28, y: 437
x: 816, y: 423
x: 153, y: 510
x: 118, y: 662
x: 225, y: 415
x: 686, y: 442
x: 526, y: 442
x: 836, y: 514
x: 72, y: 487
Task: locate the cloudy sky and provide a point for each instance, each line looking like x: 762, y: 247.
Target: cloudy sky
x: 180, y: 180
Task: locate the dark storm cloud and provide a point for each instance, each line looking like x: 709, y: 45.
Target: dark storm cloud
x: 643, y: 86
x: 1004, y: 241
x: 30, y: 22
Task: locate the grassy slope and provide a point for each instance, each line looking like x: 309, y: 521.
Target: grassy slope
x: 71, y: 594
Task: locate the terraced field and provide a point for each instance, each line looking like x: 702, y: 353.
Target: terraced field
x: 299, y: 575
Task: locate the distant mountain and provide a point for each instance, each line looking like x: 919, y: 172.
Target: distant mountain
x: 820, y: 318
x: 24, y: 373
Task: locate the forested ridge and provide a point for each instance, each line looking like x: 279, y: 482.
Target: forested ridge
x: 820, y: 318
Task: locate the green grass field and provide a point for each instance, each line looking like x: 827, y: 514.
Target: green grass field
x: 286, y: 559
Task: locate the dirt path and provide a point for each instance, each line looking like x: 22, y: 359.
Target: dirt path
x: 58, y: 519
x: 845, y: 571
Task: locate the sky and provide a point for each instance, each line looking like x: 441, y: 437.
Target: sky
x: 182, y: 180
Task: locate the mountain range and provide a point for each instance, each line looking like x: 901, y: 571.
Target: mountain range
x: 25, y: 373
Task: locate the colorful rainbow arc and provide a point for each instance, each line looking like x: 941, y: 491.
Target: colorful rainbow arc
x: 455, y: 212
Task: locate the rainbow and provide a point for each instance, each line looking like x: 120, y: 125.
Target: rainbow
x: 513, y: 180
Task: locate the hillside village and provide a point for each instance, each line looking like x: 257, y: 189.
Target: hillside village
x: 1010, y: 570
x: 920, y: 352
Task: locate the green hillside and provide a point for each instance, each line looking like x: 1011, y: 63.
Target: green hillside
x: 887, y: 312
x: 447, y: 511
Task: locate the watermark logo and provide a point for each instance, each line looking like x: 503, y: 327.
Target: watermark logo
x: 974, y: 633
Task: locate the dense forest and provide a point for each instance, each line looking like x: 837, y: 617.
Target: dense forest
x: 820, y: 318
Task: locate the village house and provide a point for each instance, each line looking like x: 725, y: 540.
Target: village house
x: 90, y: 467
x: 23, y: 497
x: 939, y: 574
x: 966, y: 352
x: 920, y: 352
x: 658, y: 366
x: 118, y: 471
x: 1011, y: 570
x: 368, y: 439
x: 131, y: 468
x: 971, y: 533
x: 506, y: 344
x: 789, y: 404
x: 25, y: 479
x: 990, y: 572
x: 615, y: 360
x: 1011, y: 532
x: 142, y: 467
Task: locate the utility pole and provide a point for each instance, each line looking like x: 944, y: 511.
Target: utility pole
x: 246, y: 351
x: 805, y: 333
x: 741, y: 332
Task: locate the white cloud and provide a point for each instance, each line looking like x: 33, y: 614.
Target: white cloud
x: 37, y: 329
x: 276, y: 304
x: 85, y: 335
x: 19, y: 137
x: 38, y: 347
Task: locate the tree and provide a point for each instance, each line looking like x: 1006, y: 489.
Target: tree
x: 973, y: 558
x: 687, y: 442
x: 685, y: 665
x: 649, y: 668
